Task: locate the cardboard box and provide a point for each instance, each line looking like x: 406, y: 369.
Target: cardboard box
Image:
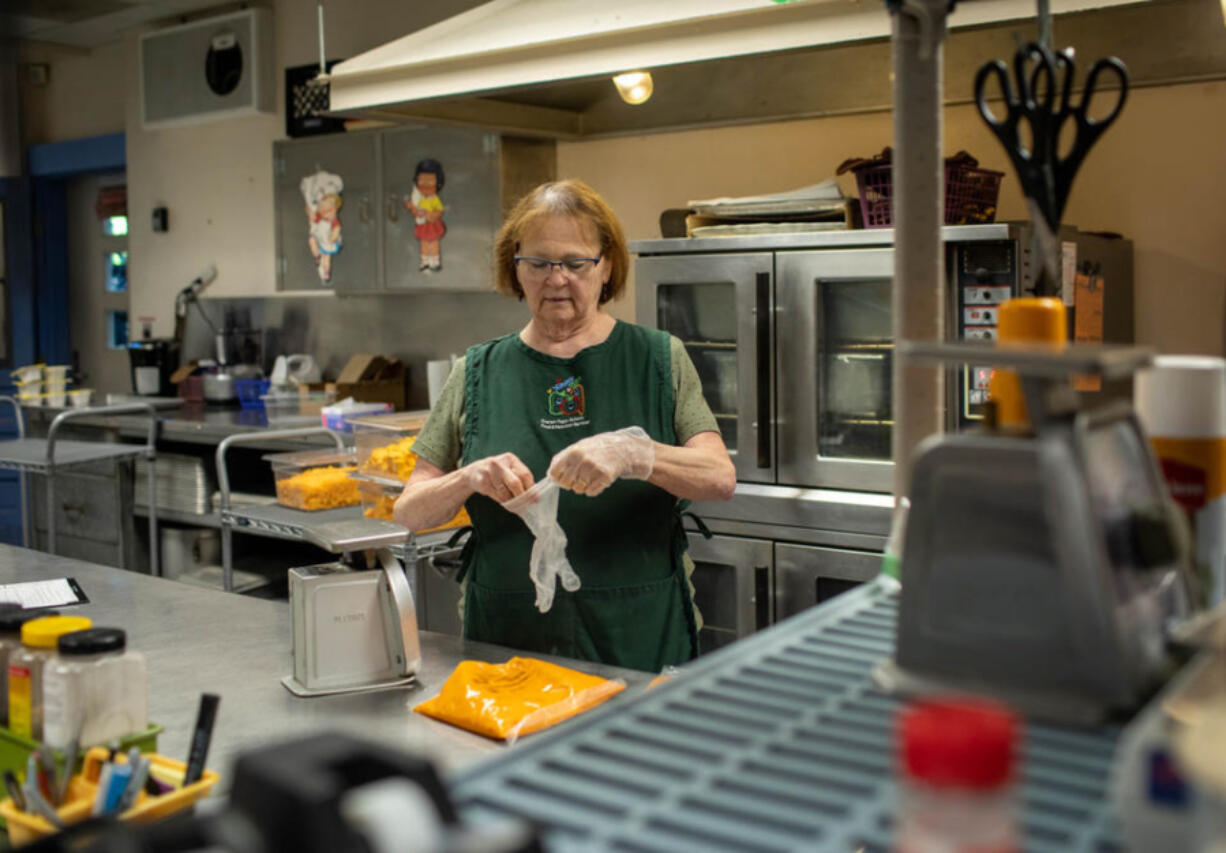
x: 369, y: 378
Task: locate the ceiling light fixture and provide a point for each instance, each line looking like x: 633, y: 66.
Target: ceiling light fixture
x: 635, y: 87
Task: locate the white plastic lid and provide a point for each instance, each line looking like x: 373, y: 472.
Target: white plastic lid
x: 1182, y: 396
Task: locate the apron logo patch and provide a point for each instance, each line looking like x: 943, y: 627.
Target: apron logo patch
x: 567, y: 404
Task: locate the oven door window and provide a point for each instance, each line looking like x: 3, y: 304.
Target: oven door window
x: 855, y: 351
x: 704, y: 317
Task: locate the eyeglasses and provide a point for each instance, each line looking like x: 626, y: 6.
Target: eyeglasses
x: 540, y: 268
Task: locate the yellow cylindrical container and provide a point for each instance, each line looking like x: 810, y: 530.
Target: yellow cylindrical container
x: 1181, y: 403
x: 1031, y: 320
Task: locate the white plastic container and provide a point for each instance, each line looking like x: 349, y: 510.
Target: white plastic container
x: 95, y: 690
x: 39, y: 638
x: 1181, y: 403
x: 55, y: 373
x: 29, y: 373
x: 958, y: 766
x: 55, y: 400
x: 11, y: 620
x: 80, y: 398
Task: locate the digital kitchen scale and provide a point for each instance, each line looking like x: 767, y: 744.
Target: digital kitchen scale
x: 355, y: 627
x: 1044, y: 569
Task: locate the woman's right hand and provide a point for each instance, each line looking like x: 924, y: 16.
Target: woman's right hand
x: 499, y: 478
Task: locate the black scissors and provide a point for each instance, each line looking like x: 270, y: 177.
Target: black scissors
x: 1044, y: 100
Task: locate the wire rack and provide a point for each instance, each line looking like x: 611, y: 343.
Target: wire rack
x: 780, y: 742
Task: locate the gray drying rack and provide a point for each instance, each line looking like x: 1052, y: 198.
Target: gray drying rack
x: 779, y: 742
x: 47, y: 455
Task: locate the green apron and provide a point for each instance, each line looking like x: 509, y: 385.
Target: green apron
x: 627, y: 545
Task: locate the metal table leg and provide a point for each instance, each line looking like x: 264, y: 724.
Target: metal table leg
x: 223, y: 482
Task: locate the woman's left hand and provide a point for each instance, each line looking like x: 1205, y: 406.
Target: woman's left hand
x: 590, y: 466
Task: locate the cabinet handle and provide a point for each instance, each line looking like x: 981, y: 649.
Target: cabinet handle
x: 393, y: 210
x: 73, y: 508
x: 364, y: 211
x: 761, y: 597
x: 762, y: 300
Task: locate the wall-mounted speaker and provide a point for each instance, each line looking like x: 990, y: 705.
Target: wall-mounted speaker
x: 209, y: 69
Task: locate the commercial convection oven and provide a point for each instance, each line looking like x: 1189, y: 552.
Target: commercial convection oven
x: 792, y: 338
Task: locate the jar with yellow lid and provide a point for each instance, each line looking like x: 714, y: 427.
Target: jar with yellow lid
x: 39, y: 638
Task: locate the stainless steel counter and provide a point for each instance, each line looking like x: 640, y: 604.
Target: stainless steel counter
x: 197, y: 640
x: 194, y: 423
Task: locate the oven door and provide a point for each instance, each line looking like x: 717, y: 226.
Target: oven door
x: 806, y: 575
x: 835, y: 352
x: 732, y: 578
x: 720, y: 306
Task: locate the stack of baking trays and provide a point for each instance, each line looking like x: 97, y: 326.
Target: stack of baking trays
x: 184, y: 484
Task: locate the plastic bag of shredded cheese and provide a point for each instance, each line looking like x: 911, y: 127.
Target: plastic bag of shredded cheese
x: 521, y: 696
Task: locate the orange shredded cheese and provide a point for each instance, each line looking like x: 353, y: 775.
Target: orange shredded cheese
x: 381, y: 505
x: 521, y: 696
x: 395, y: 460
x: 319, y: 488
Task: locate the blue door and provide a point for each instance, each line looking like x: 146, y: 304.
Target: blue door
x: 17, y: 326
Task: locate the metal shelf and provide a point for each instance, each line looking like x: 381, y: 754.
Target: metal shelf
x: 30, y: 454
x: 44, y: 455
x: 282, y: 522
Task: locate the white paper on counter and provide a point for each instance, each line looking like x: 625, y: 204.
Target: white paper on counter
x: 60, y: 592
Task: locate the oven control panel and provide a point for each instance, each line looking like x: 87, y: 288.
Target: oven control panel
x: 985, y: 275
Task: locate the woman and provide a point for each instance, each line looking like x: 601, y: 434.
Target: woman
x: 557, y: 398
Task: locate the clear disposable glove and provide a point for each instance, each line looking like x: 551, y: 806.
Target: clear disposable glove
x: 590, y: 466
x: 538, y: 507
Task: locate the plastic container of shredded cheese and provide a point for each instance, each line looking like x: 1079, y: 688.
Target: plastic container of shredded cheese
x: 315, y: 479
x: 384, y: 444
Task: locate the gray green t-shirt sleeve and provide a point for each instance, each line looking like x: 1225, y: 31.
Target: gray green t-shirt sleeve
x: 440, y: 441
x: 692, y: 415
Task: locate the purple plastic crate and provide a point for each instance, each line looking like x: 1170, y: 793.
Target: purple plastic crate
x: 249, y: 392
x: 970, y: 194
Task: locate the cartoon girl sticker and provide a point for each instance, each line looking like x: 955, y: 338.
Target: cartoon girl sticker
x: 427, y: 209
x: 322, y: 193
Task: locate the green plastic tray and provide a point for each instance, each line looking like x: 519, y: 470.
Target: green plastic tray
x: 15, y: 748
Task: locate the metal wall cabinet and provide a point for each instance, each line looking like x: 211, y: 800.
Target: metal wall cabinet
x: 483, y: 175
x: 470, y: 196
x: 355, y: 157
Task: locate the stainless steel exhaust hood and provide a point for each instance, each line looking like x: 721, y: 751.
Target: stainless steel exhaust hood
x: 543, y: 66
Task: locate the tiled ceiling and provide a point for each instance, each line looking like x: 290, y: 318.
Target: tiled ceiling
x: 86, y: 23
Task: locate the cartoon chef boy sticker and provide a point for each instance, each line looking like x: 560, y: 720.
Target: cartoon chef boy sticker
x: 427, y: 209
x: 322, y: 193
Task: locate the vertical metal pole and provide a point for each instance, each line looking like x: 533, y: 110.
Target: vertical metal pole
x: 51, y: 509
x: 1045, y: 34
x: 155, y: 546
x: 919, y: 175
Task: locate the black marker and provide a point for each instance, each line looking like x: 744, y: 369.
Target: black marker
x: 200, y: 738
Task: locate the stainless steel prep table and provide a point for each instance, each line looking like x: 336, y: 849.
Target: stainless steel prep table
x: 197, y: 640
x: 191, y: 423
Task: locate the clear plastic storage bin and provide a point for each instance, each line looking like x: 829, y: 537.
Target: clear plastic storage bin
x: 315, y: 479
x: 301, y: 409
x: 384, y: 444
x: 379, y: 500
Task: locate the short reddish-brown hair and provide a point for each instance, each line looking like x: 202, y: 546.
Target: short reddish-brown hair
x: 572, y: 198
